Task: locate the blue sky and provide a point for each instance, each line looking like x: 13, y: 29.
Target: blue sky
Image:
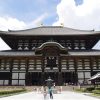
x: 79, y: 2
x: 29, y: 10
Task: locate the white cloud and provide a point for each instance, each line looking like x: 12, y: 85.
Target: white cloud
x: 3, y: 45
x: 97, y: 46
x: 15, y: 24
x: 11, y: 23
x: 85, y: 16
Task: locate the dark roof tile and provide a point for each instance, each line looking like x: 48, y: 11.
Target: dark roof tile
x: 49, y: 30
x: 32, y: 53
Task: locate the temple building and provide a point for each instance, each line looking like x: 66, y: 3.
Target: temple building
x: 62, y: 53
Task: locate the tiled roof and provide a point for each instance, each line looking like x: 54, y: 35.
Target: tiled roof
x: 49, y: 30
x: 84, y: 53
x: 17, y: 53
x: 32, y: 53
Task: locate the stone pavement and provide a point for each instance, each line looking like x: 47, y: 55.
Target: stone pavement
x: 66, y: 95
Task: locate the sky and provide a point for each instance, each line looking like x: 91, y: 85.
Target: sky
x: 25, y: 14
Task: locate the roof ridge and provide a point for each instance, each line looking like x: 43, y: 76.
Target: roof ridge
x: 9, y: 30
x: 45, y: 30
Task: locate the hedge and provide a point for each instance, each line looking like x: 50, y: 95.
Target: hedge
x: 11, y: 91
x: 96, y: 91
x: 81, y: 90
x: 97, y: 88
x: 90, y: 89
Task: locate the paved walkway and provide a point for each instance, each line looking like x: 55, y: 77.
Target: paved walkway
x: 38, y: 96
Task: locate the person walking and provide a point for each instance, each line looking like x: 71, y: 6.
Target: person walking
x: 51, y: 93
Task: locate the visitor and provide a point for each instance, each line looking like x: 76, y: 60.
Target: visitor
x: 51, y: 93
x: 54, y: 85
x: 60, y: 89
x: 39, y: 90
x: 45, y: 93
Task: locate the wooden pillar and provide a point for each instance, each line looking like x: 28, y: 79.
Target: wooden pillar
x: 60, y: 79
x: 91, y: 65
x: 19, y: 64
x: 42, y: 73
x: 76, y: 74
x: 83, y: 63
x: 19, y: 68
x: 97, y: 62
x: 26, y: 74
x: 35, y: 63
x: 0, y: 63
x: 42, y: 78
x: 59, y: 62
x: 5, y: 60
x: 43, y: 64
x: 11, y: 66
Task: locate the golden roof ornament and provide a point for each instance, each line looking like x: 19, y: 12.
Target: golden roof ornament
x: 62, y: 24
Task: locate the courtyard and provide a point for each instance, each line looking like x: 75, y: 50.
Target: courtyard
x: 65, y: 95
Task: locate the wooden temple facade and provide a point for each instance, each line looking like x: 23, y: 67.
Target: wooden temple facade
x: 64, y: 54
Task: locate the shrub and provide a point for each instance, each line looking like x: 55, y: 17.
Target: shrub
x: 11, y: 91
x: 90, y: 89
x: 96, y: 91
x: 97, y: 88
x: 81, y: 90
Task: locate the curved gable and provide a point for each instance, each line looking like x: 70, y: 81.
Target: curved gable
x: 51, y: 45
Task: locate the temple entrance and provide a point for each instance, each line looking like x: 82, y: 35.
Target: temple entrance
x: 52, y: 75
x: 69, y: 78
x: 36, y: 78
x: 33, y: 78
x: 51, y: 61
